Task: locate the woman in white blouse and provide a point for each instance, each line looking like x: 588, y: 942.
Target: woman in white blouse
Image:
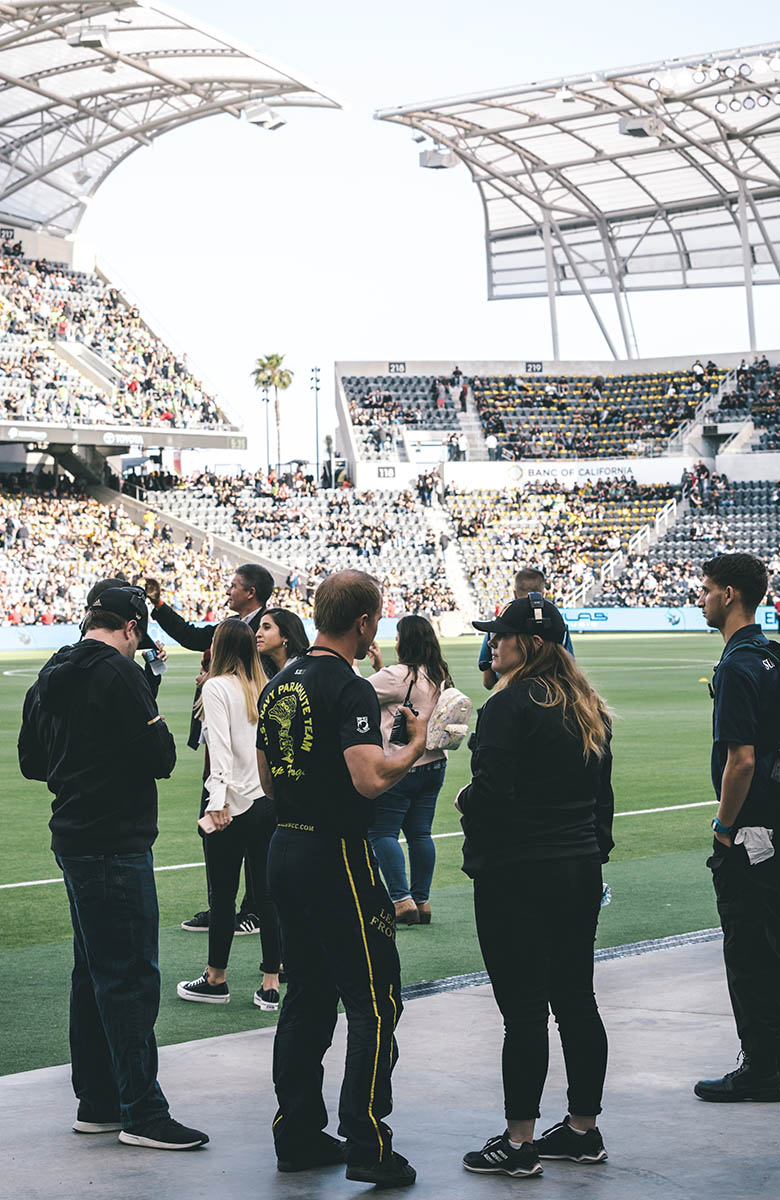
x: 228, y: 709
x: 411, y: 804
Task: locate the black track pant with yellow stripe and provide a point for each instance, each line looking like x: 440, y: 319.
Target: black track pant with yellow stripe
x: 338, y: 940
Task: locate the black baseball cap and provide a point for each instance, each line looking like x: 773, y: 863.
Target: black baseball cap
x: 130, y: 603
x: 529, y: 615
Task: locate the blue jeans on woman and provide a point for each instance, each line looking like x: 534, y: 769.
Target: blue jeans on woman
x: 115, y: 987
x: 409, y: 806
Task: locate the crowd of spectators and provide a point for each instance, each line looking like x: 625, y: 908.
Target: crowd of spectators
x: 44, y: 303
x: 756, y: 396
x: 56, y: 542
x: 567, y: 532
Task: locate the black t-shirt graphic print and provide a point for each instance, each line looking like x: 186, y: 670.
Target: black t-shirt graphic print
x: 310, y: 713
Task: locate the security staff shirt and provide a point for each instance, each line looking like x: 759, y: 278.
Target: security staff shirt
x: 746, y: 691
x: 310, y: 713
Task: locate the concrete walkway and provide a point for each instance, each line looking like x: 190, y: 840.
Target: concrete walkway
x: 669, y: 1023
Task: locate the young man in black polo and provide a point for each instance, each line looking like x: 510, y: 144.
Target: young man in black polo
x: 320, y: 757
x: 745, y: 866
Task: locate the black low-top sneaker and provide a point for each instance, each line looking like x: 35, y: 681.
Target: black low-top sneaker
x: 204, y: 992
x: 391, y: 1172
x: 164, y: 1134
x: 197, y: 924
x: 560, y: 1141
x: 246, y: 923
x: 746, y: 1083
x: 267, y: 999
x: 319, y: 1151
x: 89, y: 1122
x: 497, y: 1157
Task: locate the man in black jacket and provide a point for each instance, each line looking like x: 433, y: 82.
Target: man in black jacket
x: 92, y: 732
x: 248, y: 593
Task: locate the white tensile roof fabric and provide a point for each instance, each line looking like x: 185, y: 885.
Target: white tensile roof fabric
x: 70, y: 113
x: 573, y: 204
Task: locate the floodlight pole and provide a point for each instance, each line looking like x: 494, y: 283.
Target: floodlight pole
x: 267, y: 399
x: 315, y: 387
x: 747, y: 262
x: 550, y: 270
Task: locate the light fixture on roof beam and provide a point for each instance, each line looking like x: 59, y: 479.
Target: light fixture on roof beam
x: 81, y: 176
x: 640, y: 127
x: 654, y: 83
x: 734, y: 104
x: 260, y: 114
x: 762, y: 99
x: 749, y: 102
x: 699, y: 75
x: 565, y: 95
x: 438, y: 159
x: 774, y: 62
x: 418, y: 137
x: 730, y: 71
x: 714, y: 72
x: 745, y: 69
x: 91, y: 37
x: 721, y: 106
x: 776, y: 97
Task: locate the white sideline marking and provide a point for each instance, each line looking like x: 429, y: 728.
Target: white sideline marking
x: 637, y: 812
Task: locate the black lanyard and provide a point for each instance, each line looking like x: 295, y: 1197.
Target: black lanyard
x: 327, y: 650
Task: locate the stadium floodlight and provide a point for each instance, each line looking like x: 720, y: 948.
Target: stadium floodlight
x: 81, y: 176
x: 654, y: 83
x: 762, y: 100
x: 774, y: 62
x: 745, y: 69
x: 734, y: 104
x: 714, y: 72
x: 419, y: 137
x: 565, y: 95
x: 699, y: 75
x: 91, y: 37
x: 262, y: 115
x: 438, y: 159
x: 776, y: 97
x: 730, y: 71
x: 721, y: 106
x: 749, y: 102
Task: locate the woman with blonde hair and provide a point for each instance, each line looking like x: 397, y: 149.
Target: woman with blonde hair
x: 233, y: 819
x: 537, y: 818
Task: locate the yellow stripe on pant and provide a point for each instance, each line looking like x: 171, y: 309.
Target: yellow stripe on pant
x: 374, y: 1121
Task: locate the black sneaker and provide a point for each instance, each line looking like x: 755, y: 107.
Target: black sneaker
x: 393, y: 1171
x: 743, y: 1084
x: 321, y: 1151
x: 497, y: 1157
x: 164, y: 1134
x: 204, y: 992
x: 89, y: 1122
x: 560, y: 1141
x: 197, y: 924
x: 267, y: 999
x: 246, y: 923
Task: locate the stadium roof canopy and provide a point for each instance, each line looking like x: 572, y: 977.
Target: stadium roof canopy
x: 84, y: 84
x: 659, y: 176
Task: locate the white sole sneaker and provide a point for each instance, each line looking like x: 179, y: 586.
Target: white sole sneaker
x: 96, y: 1126
x: 265, y: 1005
x: 137, y: 1139
x: 183, y: 994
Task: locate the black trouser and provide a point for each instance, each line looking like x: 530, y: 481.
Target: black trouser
x: 536, y: 923
x: 338, y: 938
x: 749, y: 908
x: 249, y: 902
x: 245, y: 839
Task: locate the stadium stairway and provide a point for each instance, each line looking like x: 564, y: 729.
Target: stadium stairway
x: 470, y: 424
x: 438, y: 519
x: 669, y: 1023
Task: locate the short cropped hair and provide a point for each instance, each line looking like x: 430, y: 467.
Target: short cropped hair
x: 257, y: 577
x: 743, y: 572
x: 344, y: 597
x: 530, y: 579
x: 101, y: 618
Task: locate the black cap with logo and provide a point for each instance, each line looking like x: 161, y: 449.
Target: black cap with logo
x: 531, y: 615
x: 128, y: 602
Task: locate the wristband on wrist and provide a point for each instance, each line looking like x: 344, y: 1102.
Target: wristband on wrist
x: 727, y: 830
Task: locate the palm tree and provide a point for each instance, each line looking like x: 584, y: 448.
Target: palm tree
x: 269, y: 372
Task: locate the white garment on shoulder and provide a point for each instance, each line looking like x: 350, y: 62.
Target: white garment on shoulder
x: 230, y: 736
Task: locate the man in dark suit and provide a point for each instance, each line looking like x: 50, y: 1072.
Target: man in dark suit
x: 247, y: 596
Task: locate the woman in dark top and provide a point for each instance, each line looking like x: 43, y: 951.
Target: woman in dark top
x: 537, y: 817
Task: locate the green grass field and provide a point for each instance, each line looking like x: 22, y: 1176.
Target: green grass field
x: 659, y: 883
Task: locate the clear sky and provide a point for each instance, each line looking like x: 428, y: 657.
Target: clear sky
x: 324, y: 240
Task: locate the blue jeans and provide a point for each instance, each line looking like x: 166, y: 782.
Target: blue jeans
x: 409, y: 806
x: 115, y: 987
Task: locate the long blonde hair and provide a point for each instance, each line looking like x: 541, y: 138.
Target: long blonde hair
x: 564, y: 685
x: 234, y: 652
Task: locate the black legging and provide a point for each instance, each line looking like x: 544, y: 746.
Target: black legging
x: 536, y: 923
x: 246, y: 837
